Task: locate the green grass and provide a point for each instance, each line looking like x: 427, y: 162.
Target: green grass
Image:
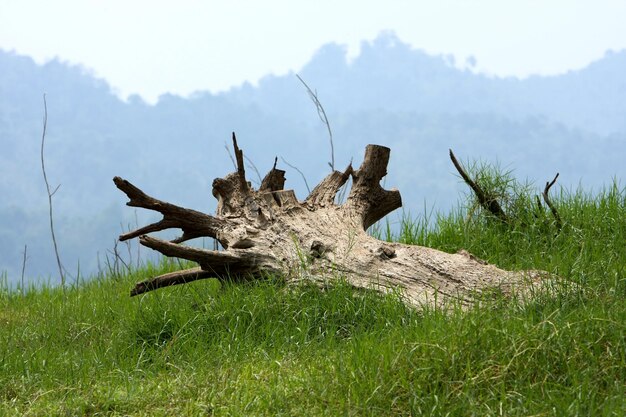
x: 264, y: 349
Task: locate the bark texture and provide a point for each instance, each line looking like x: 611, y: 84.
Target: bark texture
x: 268, y: 231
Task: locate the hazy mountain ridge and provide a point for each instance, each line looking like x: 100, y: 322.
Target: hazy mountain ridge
x: 417, y: 104
x: 388, y: 74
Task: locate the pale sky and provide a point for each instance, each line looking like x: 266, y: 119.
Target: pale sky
x: 154, y: 47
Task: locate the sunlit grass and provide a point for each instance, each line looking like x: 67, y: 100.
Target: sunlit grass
x: 262, y: 348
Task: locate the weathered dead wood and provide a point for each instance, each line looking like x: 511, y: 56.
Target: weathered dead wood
x: 173, y: 278
x: 489, y: 203
x: 546, y: 198
x: 270, y: 231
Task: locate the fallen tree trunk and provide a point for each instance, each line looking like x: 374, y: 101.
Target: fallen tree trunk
x: 268, y: 231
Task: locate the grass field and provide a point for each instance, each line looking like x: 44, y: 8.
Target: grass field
x: 264, y: 349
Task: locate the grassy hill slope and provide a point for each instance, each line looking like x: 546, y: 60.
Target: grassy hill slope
x: 263, y: 349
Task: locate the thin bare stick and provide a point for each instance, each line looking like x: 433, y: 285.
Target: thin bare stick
x: 24, y: 267
x: 50, y: 193
x: 308, y: 189
x: 489, y: 203
x: 128, y: 249
x: 254, y: 168
x: 546, y: 198
x: 230, y: 155
x: 118, y: 260
x: 322, y: 114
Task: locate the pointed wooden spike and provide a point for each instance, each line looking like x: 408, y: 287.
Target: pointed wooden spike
x: 240, y: 167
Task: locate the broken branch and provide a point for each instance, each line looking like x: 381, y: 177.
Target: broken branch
x: 487, y: 202
x: 553, y: 209
x: 192, y: 223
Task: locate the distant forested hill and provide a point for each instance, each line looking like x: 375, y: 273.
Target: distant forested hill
x: 418, y: 104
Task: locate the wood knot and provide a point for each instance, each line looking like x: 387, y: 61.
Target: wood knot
x: 318, y: 249
x: 386, y: 252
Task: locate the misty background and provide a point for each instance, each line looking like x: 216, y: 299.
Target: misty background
x: 416, y: 103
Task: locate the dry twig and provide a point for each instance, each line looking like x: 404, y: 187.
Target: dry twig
x: 546, y: 198
x: 50, y: 193
x: 487, y: 202
x: 308, y: 189
x: 322, y: 114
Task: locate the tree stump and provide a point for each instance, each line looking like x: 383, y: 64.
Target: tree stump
x: 268, y: 231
